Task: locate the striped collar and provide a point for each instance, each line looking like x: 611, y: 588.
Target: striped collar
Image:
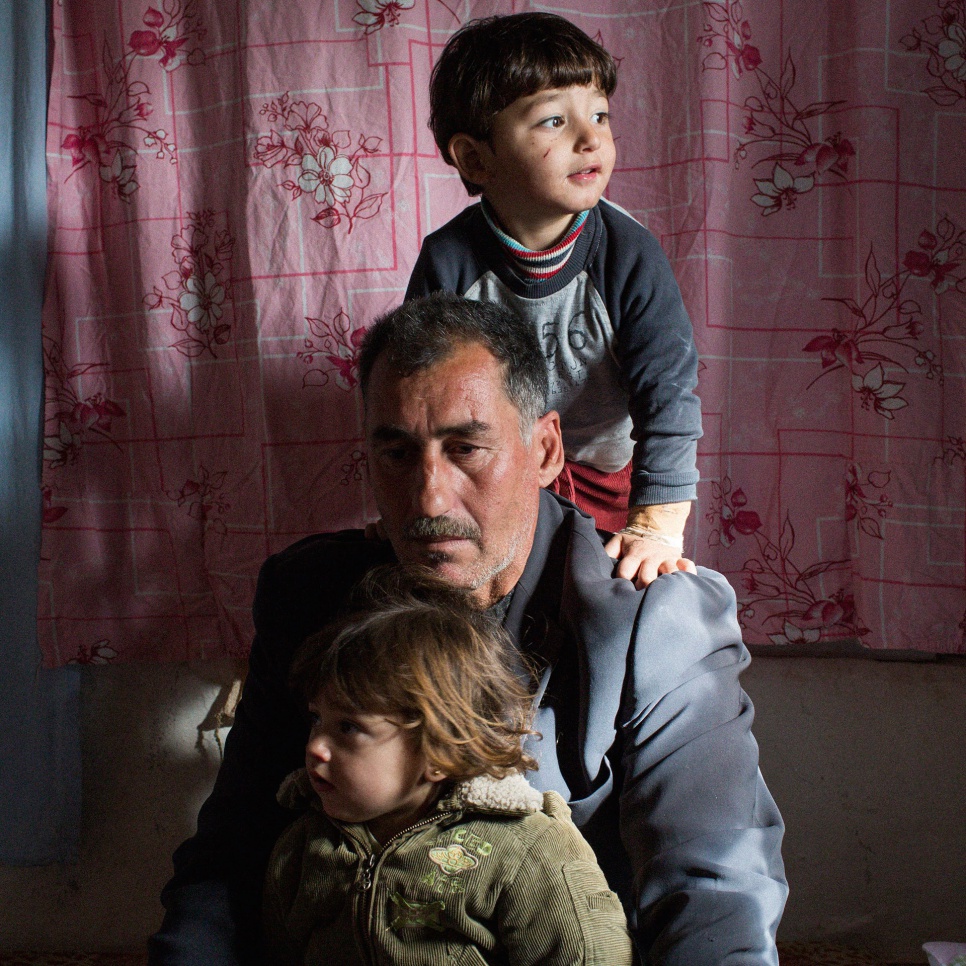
x: 530, y: 264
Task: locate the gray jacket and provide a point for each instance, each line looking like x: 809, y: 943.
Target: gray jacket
x: 647, y: 736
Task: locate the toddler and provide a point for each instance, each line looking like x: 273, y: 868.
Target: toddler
x: 421, y: 840
x: 519, y: 105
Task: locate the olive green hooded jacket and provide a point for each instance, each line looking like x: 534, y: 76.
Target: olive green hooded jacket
x: 497, y: 873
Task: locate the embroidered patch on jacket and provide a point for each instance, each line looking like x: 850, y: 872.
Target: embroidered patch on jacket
x: 453, y: 859
x: 473, y: 842
x: 415, y: 913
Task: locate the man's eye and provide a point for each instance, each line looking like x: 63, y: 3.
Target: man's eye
x: 394, y: 454
x: 463, y: 449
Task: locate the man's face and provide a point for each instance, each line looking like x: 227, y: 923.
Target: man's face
x: 457, y: 486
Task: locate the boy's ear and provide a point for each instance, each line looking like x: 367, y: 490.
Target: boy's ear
x: 471, y: 158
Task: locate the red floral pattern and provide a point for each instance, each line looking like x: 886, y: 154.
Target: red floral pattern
x: 236, y: 191
x: 198, y: 291
x: 330, y: 168
x: 942, y: 36
x: 332, y: 347
x: 784, y: 601
x: 773, y: 117
x: 109, y: 141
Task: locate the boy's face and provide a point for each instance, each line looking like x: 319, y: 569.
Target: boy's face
x: 367, y: 768
x: 550, y: 156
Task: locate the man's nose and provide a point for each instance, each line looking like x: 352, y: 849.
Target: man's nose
x: 433, y: 486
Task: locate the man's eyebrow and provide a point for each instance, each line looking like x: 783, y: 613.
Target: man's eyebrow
x: 472, y: 429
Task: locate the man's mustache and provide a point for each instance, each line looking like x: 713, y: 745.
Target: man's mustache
x: 423, y: 528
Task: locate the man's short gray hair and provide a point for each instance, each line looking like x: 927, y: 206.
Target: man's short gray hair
x: 423, y: 332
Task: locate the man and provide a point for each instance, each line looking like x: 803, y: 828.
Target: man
x: 646, y: 731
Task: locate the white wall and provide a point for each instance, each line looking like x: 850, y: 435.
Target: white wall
x: 867, y: 761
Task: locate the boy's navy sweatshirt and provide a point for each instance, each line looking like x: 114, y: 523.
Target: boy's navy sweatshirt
x: 617, y: 338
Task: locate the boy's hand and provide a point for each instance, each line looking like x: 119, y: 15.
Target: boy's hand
x: 642, y: 560
x: 651, y: 543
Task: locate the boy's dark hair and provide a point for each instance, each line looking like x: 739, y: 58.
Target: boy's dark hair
x: 424, y: 331
x: 490, y: 63
x: 413, y: 647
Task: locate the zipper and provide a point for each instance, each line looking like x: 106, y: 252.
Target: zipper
x: 368, y: 867
x: 364, y: 900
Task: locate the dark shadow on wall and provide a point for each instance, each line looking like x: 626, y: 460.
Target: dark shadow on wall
x: 39, y: 730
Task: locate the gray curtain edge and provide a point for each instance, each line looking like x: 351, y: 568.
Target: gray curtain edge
x: 40, y: 764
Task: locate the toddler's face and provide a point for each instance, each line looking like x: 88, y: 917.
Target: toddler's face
x: 550, y: 156
x: 367, y: 768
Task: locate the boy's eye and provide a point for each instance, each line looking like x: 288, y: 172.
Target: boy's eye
x: 601, y: 117
x: 348, y: 727
x: 554, y: 122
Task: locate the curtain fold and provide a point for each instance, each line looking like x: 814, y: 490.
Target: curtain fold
x: 39, y: 720
x: 236, y: 190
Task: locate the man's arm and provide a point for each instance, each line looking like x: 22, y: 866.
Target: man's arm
x: 702, y: 830
x: 212, y: 902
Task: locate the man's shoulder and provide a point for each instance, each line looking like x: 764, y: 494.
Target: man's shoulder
x: 321, y: 567
x: 679, y: 619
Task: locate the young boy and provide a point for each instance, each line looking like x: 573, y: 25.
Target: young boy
x: 423, y: 841
x: 519, y: 105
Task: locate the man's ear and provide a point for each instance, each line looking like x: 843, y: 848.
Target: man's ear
x: 471, y: 158
x: 547, y: 447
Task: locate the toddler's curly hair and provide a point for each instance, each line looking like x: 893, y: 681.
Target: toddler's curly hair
x: 412, y: 647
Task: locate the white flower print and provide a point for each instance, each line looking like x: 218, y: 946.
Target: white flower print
x: 878, y: 393
x: 781, y: 191
x: 796, y: 635
x: 953, y: 50
x: 326, y: 175
x: 202, y: 300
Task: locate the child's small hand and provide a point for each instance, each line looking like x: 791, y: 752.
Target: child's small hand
x: 642, y: 560
x: 651, y: 543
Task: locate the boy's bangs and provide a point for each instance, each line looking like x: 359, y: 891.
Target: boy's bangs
x: 551, y: 68
x: 577, y: 74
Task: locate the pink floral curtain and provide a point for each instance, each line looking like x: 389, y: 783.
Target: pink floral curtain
x: 237, y: 189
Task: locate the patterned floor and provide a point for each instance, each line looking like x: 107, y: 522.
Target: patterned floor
x: 791, y: 954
